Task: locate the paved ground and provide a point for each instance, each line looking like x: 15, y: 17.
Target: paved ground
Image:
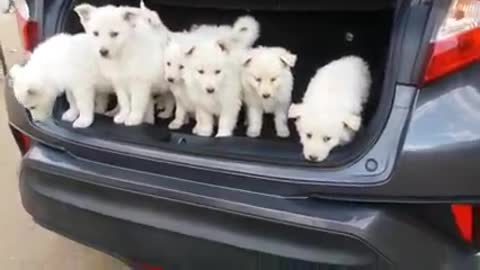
x: 23, y: 244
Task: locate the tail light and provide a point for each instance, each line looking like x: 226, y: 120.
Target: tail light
x: 467, y: 221
x: 28, y: 28
x: 24, y: 142
x: 457, y: 42
x: 144, y: 266
x: 463, y: 215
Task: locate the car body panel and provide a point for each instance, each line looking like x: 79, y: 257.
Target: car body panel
x: 144, y: 204
x: 62, y: 192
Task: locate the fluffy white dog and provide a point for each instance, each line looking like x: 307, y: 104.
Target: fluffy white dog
x: 182, y: 52
x: 130, y: 54
x: 330, y: 113
x: 267, y: 83
x: 213, y: 83
x: 175, y: 64
x: 164, y: 100
x: 61, y: 63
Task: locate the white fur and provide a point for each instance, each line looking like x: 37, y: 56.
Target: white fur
x: 241, y: 35
x: 212, y: 67
x: 134, y: 62
x: 63, y: 62
x: 267, y: 83
x: 165, y: 103
x: 152, y: 18
x: 330, y: 113
x: 245, y: 32
x: 164, y: 100
x: 175, y: 66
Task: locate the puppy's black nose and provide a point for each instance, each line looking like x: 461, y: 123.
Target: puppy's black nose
x: 265, y: 96
x: 312, y: 158
x: 210, y: 90
x: 103, y: 52
x: 171, y: 80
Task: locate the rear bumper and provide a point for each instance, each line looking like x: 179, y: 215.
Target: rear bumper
x: 220, y: 229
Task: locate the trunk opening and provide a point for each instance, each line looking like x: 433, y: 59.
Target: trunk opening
x: 317, y: 36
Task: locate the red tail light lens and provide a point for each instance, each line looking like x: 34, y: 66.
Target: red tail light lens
x: 463, y: 215
x: 453, y: 53
x: 28, y: 29
x: 457, y: 43
x: 24, y: 142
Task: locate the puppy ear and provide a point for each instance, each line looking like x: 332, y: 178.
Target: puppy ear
x: 288, y: 59
x: 295, y: 111
x: 223, y: 46
x: 130, y: 16
x: 247, y: 61
x: 190, y: 51
x: 352, y: 122
x: 84, y: 11
x: 142, y: 5
x: 154, y: 20
x: 14, y: 71
x: 246, y: 58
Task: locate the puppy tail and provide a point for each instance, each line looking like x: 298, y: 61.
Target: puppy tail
x: 246, y: 31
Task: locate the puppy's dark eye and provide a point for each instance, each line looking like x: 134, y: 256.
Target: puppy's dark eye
x: 258, y: 79
x: 180, y: 67
x: 273, y: 79
x: 309, y: 135
x: 32, y: 108
x: 168, y: 63
x: 113, y: 34
x: 326, y: 139
x: 201, y: 71
x: 95, y: 33
x: 218, y: 71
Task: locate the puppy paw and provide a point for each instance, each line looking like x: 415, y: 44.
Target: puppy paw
x: 175, y: 124
x: 223, y: 134
x: 253, y: 133
x: 283, y: 132
x: 70, y: 115
x: 83, y: 122
x: 204, y: 132
x: 120, y: 118
x: 133, y: 120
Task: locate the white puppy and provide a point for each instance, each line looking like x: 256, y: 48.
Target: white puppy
x: 330, y: 113
x: 130, y: 54
x: 213, y: 83
x: 164, y: 100
x: 175, y: 62
x: 267, y: 83
x: 63, y: 62
x: 241, y: 35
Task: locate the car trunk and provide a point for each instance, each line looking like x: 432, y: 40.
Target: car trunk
x: 317, y: 32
